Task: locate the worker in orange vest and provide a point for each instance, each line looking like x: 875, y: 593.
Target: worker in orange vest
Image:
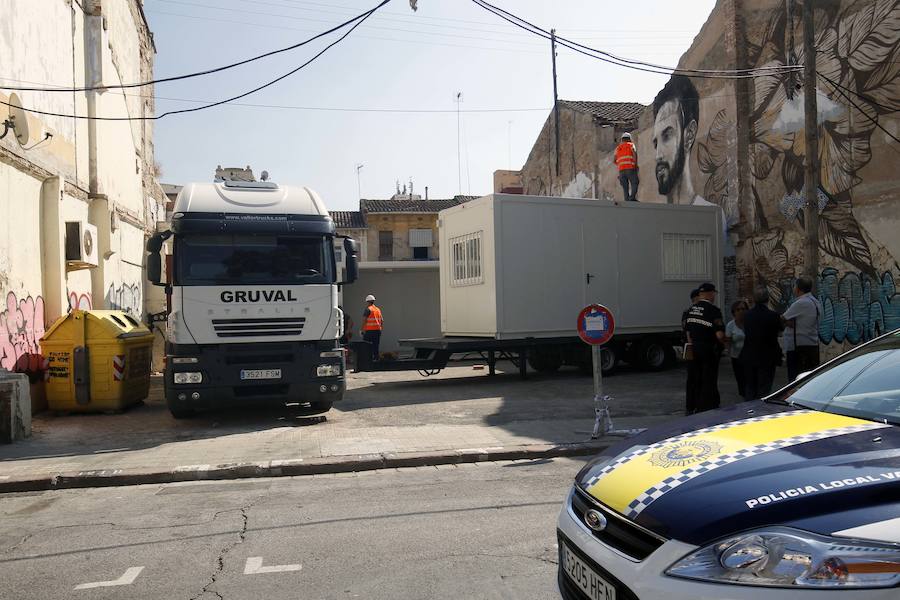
x: 627, y: 161
x: 373, y: 324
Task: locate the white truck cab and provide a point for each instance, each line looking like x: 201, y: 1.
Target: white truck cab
x: 254, y: 297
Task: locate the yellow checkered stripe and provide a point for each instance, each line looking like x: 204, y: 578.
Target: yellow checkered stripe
x: 638, y: 479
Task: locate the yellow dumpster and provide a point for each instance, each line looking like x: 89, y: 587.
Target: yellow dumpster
x: 99, y: 360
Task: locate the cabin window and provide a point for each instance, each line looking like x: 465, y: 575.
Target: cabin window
x: 466, y: 253
x: 686, y: 257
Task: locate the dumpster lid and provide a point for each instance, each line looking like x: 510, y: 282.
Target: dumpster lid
x: 114, y: 323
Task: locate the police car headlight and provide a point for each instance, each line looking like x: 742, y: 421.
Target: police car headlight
x: 785, y: 557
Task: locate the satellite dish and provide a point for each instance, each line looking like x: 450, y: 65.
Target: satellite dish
x: 19, y: 120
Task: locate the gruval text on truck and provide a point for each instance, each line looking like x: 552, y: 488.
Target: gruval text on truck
x: 254, y: 297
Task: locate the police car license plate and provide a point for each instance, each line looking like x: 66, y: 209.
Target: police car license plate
x: 594, y: 586
x: 260, y: 374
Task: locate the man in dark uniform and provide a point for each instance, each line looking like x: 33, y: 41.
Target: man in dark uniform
x: 690, y: 388
x: 706, y: 334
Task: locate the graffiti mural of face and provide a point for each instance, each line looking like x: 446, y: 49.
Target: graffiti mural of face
x: 668, y: 142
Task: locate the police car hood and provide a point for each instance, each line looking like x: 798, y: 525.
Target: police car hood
x: 754, y: 464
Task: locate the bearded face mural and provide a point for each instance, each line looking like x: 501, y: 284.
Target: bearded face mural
x: 858, y: 62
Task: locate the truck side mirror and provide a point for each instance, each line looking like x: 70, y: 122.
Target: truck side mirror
x: 351, y: 251
x: 154, y: 260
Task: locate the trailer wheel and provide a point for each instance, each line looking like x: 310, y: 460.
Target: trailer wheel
x: 654, y: 354
x: 545, y: 360
x: 609, y: 360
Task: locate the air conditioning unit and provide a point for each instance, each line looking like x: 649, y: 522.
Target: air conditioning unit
x: 81, y: 245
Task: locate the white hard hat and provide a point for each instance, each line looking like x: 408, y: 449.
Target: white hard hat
x: 626, y: 136
x: 370, y: 298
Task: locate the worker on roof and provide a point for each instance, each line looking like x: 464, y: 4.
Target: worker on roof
x: 373, y: 324
x: 627, y: 162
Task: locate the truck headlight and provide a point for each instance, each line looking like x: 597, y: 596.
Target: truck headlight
x: 784, y: 557
x: 188, y: 377
x: 328, y: 370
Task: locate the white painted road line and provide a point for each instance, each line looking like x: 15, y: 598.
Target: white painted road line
x: 255, y: 566
x: 126, y: 579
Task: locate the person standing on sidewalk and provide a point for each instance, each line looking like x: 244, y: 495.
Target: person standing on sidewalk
x: 801, y: 333
x: 690, y: 386
x: 761, y: 353
x: 627, y: 162
x: 706, y: 334
x: 373, y: 324
x: 734, y: 340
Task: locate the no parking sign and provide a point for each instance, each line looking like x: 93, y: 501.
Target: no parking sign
x: 596, y: 325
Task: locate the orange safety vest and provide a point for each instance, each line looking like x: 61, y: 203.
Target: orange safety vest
x: 374, y: 322
x: 626, y: 156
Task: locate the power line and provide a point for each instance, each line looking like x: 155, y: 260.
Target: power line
x: 220, y: 102
x: 360, y: 36
x: 840, y: 89
x: 358, y: 19
x: 631, y: 63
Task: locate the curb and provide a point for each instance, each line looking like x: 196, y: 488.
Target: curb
x: 294, y: 467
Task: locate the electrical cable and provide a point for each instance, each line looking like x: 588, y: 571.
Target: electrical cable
x: 631, y: 63
x: 220, y: 102
x: 840, y: 89
x: 358, y: 18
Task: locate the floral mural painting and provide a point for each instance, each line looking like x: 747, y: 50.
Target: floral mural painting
x: 858, y: 61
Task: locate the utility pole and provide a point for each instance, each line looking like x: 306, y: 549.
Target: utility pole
x: 458, y: 151
x: 810, y: 108
x: 555, y: 104
x: 509, y: 145
x: 358, y: 185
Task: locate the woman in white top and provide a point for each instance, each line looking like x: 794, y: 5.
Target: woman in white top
x: 734, y: 341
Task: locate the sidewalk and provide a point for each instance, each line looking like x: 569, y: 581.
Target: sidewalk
x: 386, y: 420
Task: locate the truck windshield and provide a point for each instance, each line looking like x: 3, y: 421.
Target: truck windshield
x: 252, y: 259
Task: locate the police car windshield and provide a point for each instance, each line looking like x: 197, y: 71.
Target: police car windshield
x: 865, y: 383
x: 252, y: 259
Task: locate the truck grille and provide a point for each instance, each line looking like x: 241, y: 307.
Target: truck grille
x: 232, y: 328
x: 620, y: 533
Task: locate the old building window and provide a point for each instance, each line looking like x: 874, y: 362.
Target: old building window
x: 466, y: 257
x: 385, y: 245
x: 686, y: 257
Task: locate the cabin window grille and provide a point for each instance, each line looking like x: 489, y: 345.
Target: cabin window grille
x: 686, y: 257
x: 467, y: 260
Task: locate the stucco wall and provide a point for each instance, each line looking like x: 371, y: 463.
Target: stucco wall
x: 745, y: 152
x: 45, y: 185
x: 408, y: 297
x: 400, y: 224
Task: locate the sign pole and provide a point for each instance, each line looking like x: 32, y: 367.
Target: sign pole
x: 601, y: 410
x: 596, y: 326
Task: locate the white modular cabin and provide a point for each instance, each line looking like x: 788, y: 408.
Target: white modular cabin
x: 514, y: 266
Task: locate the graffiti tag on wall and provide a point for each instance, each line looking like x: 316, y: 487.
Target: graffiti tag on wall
x: 858, y: 306
x: 127, y: 297
x: 80, y: 301
x: 21, y: 328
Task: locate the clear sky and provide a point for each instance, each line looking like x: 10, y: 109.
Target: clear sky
x: 397, y: 60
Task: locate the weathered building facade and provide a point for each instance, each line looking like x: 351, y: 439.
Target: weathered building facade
x: 78, y: 196
x: 739, y: 143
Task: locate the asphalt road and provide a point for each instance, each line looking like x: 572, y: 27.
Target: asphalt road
x: 470, y: 531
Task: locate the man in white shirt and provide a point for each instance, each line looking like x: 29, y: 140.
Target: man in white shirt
x: 801, y: 333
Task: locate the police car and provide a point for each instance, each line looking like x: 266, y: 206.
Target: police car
x: 795, y: 496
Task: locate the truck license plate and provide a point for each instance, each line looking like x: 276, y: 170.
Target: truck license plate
x: 594, y: 586
x: 260, y: 374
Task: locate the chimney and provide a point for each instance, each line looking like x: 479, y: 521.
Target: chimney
x: 426, y: 192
